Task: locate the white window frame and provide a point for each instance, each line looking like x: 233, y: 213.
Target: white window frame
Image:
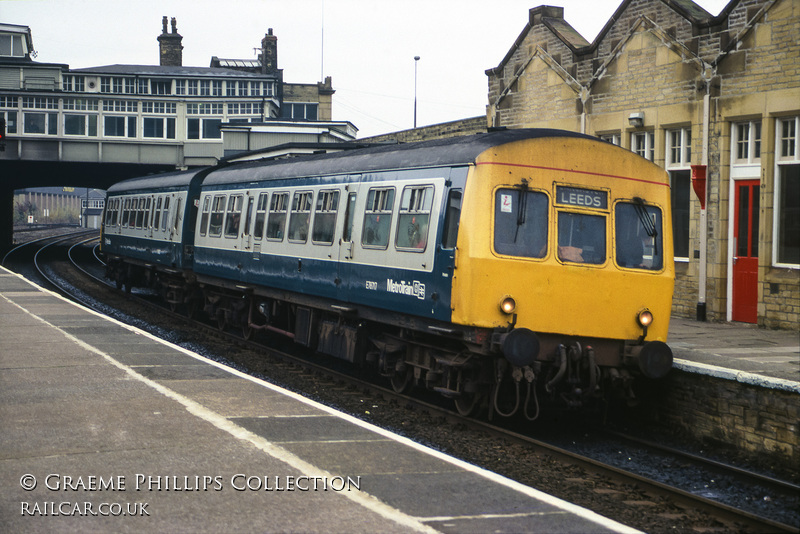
x: 683, y: 137
x: 780, y: 160
x: 648, y: 152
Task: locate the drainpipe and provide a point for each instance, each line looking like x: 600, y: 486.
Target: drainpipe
x: 703, y: 266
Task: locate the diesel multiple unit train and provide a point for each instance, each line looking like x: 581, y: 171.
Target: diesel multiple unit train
x: 500, y: 269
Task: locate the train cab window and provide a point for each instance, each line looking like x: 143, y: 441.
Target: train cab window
x: 581, y: 238
x: 261, y: 215
x: 325, y: 217
x: 217, y: 213
x: 233, y: 216
x: 157, y: 214
x: 638, y: 240
x: 276, y: 221
x: 164, y: 215
x: 299, y: 218
x: 413, y: 218
x: 452, y: 217
x: 520, y: 223
x: 204, y: 215
x: 378, y: 218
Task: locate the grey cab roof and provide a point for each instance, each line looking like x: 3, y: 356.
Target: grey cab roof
x: 452, y: 151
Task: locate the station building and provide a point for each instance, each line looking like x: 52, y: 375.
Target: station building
x: 165, y: 114
x: 715, y: 100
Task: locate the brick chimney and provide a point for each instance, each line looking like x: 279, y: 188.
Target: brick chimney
x: 169, y: 45
x: 269, y: 53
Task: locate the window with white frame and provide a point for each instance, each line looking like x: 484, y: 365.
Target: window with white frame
x: 612, y: 138
x: 679, y: 158
x: 786, y: 248
x: 643, y: 143
x: 747, y: 142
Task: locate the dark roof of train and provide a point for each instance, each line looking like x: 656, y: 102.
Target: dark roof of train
x: 435, y: 153
x: 167, y: 180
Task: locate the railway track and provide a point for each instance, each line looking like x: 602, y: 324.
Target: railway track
x: 631, y: 493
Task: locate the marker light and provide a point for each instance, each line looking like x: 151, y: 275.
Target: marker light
x: 508, y: 305
x: 645, y: 318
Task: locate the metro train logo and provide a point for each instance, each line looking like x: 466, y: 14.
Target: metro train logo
x: 415, y: 289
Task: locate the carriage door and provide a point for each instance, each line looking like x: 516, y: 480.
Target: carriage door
x: 350, y: 235
x: 745, y: 252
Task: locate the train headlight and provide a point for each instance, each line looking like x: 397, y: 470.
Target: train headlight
x: 508, y: 305
x: 645, y: 318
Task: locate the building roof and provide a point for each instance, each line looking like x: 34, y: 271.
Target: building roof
x: 158, y: 70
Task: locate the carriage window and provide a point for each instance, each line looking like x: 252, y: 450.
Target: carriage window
x: 148, y: 214
x: 276, y: 223
x: 140, y: 213
x: 126, y: 212
x: 249, y: 215
x: 581, y: 238
x: 165, y: 214
x: 261, y: 215
x: 301, y: 212
x: 234, y: 216
x: 217, y: 212
x: 414, y: 216
x: 178, y: 215
x: 378, y: 218
x: 451, y: 219
x: 157, y: 214
x: 638, y: 236
x: 204, y: 216
x: 520, y: 223
x: 325, y: 217
x: 349, y: 215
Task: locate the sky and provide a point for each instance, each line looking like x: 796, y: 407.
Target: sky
x: 367, y: 47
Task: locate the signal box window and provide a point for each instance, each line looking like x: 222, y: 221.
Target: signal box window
x: 378, y: 218
x: 276, y: 223
x: 412, y: 222
x: 233, y: 217
x: 217, y: 213
x: 520, y: 223
x: 301, y: 212
x: 637, y: 232
x: 581, y: 238
x: 325, y: 217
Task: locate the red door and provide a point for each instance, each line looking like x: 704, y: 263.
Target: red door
x: 745, y: 253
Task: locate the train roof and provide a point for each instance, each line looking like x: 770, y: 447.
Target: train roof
x: 156, y: 182
x: 435, y: 153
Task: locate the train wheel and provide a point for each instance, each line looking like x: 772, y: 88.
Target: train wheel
x: 401, y: 380
x: 467, y: 404
x: 222, y: 321
x: 247, y: 332
x: 192, y: 307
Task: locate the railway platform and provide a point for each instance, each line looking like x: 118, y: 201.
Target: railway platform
x: 737, y: 351
x: 108, y: 429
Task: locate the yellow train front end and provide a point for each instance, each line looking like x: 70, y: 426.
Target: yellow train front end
x: 565, y: 252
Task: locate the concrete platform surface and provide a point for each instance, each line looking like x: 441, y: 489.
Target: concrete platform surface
x: 737, y: 351
x: 104, y: 428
